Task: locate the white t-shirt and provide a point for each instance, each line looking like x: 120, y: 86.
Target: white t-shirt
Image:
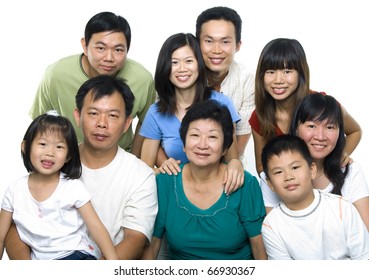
x: 53, y: 228
x: 330, y: 228
x: 123, y: 194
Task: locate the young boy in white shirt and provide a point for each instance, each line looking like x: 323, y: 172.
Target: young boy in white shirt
x: 307, y: 224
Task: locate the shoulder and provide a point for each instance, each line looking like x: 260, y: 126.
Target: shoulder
x: 133, y: 68
x: 135, y: 164
x: 237, y: 68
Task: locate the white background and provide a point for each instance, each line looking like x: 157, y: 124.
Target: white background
x: 36, y: 33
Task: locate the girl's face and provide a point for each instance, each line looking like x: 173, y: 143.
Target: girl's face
x: 49, y: 152
x: 321, y: 137
x: 204, y: 142
x: 281, y: 83
x: 185, y: 69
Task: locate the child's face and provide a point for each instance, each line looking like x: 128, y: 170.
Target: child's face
x: 49, y: 152
x: 290, y: 177
x: 281, y: 83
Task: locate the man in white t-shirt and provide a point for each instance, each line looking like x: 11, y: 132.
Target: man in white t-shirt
x: 122, y: 187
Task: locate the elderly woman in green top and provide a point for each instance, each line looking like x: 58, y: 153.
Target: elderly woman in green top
x: 199, y: 220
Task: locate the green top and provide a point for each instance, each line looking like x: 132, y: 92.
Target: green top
x: 63, y: 78
x: 219, y: 232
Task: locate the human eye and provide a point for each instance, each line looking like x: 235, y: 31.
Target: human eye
x: 294, y: 167
x: 331, y: 126
x: 113, y: 116
x: 174, y: 62
x: 288, y: 71
x: 269, y: 72
x: 277, y: 172
x: 60, y: 146
x: 310, y: 124
x: 208, y: 41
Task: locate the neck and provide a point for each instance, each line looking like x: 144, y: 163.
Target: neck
x: 93, y: 158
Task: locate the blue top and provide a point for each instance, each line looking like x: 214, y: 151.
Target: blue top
x: 220, y: 232
x: 165, y: 127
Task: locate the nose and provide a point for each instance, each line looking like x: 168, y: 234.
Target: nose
x: 289, y: 176
x: 109, y: 55
x: 319, y: 132
x: 203, y: 143
x: 216, y: 48
x: 279, y: 77
x: 102, y: 121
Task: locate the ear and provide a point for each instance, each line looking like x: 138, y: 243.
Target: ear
x: 269, y: 184
x: 23, y: 146
x: 238, y: 46
x: 313, y: 170
x: 127, y: 123
x: 77, y: 116
x: 84, y: 46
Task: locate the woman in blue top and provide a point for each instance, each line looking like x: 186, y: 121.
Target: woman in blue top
x: 180, y: 81
x: 199, y: 220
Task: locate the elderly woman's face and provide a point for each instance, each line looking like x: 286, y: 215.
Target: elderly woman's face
x: 204, y: 142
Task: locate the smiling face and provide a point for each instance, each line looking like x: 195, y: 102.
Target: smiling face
x: 185, y: 69
x: 218, y: 45
x: 281, y: 83
x: 290, y: 177
x: 204, y: 143
x: 321, y: 137
x: 106, y: 53
x: 48, y: 153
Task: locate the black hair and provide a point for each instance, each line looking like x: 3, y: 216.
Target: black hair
x: 107, y: 21
x: 163, y: 85
x: 319, y: 107
x: 209, y: 110
x: 218, y: 13
x: 55, y: 124
x: 105, y: 85
x: 281, y: 144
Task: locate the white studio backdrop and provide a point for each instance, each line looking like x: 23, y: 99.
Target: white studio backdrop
x: 36, y: 33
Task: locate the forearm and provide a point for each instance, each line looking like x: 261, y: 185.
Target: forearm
x: 132, y: 246
x: 352, y: 141
x: 137, y: 142
x: 16, y: 249
x: 242, y: 141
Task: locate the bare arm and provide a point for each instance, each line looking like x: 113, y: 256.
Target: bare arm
x: 353, y: 134
x: 242, y: 141
x: 152, y: 250
x: 98, y: 231
x: 6, y: 219
x: 137, y: 141
x: 257, y: 247
x: 132, y: 246
x: 258, y: 147
x: 149, y: 153
x: 15, y: 247
x: 234, y: 175
x: 362, y: 206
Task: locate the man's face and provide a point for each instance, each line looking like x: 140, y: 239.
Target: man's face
x: 103, y: 121
x: 218, y: 45
x: 106, y: 53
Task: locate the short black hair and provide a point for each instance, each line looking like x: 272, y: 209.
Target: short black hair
x: 281, y: 144
x: 210, y: 110
x: 105, y: 85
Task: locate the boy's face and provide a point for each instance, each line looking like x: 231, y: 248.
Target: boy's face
x: 103, y: 121
x: 290, y: 177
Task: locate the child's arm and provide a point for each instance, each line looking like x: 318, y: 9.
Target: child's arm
x: 6, y: 219
x: 257, y: 247
x: 98, y: 231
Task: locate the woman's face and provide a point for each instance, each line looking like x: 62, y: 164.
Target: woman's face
x: 281, y: 83
x: 204, y: 142
x: 321, y: 137
x: 185, y: 70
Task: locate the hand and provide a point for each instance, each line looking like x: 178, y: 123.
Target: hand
x: 170, y: 166
x: 346, y: 160
x: 234, y: 176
